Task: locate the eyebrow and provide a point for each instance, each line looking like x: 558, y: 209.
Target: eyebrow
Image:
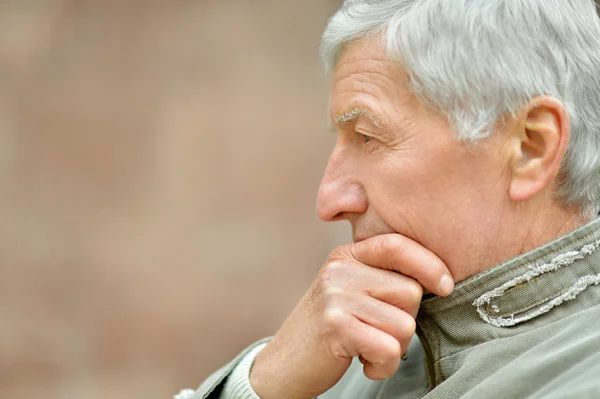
x: 349, y: 116
x: 353, y: 114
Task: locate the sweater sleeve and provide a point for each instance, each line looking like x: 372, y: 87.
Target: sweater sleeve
x: 213, y: 387
x: 238, y: 384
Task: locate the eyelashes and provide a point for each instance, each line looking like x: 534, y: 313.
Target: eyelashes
x: 365, y: 138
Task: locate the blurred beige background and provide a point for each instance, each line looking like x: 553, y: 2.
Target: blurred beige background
x: 159, y: 162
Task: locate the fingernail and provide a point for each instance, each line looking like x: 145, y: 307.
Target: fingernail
x: 446, y: 285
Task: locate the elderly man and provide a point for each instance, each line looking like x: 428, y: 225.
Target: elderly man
x: 468, y: 152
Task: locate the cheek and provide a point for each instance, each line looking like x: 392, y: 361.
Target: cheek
x: 415, y: 192
x: 401, y: 177
x: 401, y: 190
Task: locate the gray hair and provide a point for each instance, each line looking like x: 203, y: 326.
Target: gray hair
x: 477, y: 61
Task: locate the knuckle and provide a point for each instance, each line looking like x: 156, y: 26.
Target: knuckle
x: 330, y: 273
x: 393, y: 243
x: 394, y: 247
x: 439, y: 266
x: 390, y: 355
x: 332, y: 292
x: 408, y: 328
x: 396, y: 250
x: 334, y: 266
x: 394, y: 353
x: 414, y: 291
x: 332, y: 295
x: 334, y: 320
x: 338, y: 349
x: 340, y: 252
x: 335, y: 325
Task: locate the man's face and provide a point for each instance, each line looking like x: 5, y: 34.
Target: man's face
x: 397, y: 166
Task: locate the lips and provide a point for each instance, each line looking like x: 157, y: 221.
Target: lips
x: 361, y: 237
x: 369, y: 230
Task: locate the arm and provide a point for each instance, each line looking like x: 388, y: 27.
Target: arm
x: 212, y: 387
x: 363, y: 303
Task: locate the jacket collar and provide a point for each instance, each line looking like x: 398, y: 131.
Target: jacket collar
x: 507, y: 298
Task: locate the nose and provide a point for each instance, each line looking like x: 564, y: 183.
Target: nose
x: 340, y: 194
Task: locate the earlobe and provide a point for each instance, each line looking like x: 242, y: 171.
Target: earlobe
x: 541, y: 138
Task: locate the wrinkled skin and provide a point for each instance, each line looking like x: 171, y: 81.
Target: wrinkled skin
x: 426, y: 210
x: 362, y: 303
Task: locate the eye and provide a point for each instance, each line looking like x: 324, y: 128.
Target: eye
x: 365, y: 138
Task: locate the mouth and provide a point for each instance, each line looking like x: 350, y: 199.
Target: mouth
x: 369, y: 230
x: 359, y: 239
x: 362, y: 237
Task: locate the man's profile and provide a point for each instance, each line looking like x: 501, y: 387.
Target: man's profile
x: 468, y: 153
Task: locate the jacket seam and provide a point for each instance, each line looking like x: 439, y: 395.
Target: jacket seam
x: 485, y: 282
x: 516, y: 334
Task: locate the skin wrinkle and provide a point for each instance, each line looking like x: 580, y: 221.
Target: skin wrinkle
x: 363, y: 78
x: 382, y: 133
x: 371, y: 77
x: 499, y: 224
x: 557, y: 59
x: 366, y: 80
x: 502, y: 179
x: 561, y: 224
x: 364, y: 101
x: 425, y: 183
x: 398, y: 90
x: 391, y: 139
x: 525, y: 240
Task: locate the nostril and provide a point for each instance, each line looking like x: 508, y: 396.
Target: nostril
x: 339, y: 198
x: 329, y: 211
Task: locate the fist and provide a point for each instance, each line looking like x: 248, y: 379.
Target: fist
x: 363, y: 302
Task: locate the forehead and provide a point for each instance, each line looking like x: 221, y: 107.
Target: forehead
x: 365, y: 79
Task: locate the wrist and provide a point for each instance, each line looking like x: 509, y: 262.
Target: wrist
x: 268, y: 380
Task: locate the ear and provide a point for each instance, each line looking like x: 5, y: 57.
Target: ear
x: 540, y: 141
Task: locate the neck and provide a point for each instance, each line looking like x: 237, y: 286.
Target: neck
x: 526, y: 227
x: 546, y: 224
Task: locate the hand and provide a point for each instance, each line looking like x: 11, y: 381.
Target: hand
x: 363, y: 302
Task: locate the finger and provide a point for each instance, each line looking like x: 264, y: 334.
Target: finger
x: 388, y: 286
x: 384, y: 317
x: 380, y: 351
x: 376, y: 372
x: 401, y: 254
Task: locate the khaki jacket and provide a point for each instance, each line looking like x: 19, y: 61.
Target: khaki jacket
x: 527, y: 328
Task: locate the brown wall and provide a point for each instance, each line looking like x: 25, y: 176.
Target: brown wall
x: 159, y: 162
